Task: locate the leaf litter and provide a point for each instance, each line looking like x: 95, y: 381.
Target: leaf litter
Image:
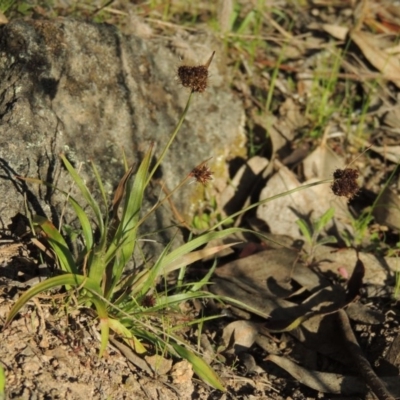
x: 288, y: 309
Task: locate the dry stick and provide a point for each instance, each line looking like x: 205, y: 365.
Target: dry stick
x: 366, y: 371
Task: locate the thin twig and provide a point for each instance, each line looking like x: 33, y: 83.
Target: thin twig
x: 362, y: 364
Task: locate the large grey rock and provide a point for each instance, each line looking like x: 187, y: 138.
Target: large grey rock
x: 88, y: 90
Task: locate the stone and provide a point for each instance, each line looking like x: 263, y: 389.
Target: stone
x: 89, y: 91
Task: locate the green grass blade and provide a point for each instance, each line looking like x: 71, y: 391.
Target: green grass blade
x: 169, y: 262
x: 85, y: 224
x: 96, y: 263
x: 57, y: 242
x: 143, y: 282
x: 324, y: 219
x: 305, y: 230
x: 68, y: 280
x: 100, y: 184
x: 174, y: 299
x: 277, y: 196
x: 200, y: 367
x: 104, y: 330
x: 85, y: 193
x: 2, y: 383
x: 143, y: 285
x: 127, y: 335
x: 83, y: 218
x: 171, y: 139
x: 124, y: 241
x: 198, y: 285
x: 50, y: 283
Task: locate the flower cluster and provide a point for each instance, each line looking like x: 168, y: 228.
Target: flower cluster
x: 345, y: 182
x: 195, y: 77
x: 202, y: 173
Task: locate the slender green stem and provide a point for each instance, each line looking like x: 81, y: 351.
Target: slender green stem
x: 268, y: 200
x: 159, y: 203
x: 171, y: 139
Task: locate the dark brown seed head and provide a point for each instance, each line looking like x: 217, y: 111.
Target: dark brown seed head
x: 148, y: 301
x: 202, y: 173
x: 194, y: 77
x: 345, y: 182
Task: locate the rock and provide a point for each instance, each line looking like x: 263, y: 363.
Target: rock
x: 88, y: 90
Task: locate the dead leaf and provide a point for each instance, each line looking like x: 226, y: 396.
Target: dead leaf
x: 362, y: 314
x: 378, y: 271
x: 271, y: 272
x: 131, y: 356
x: 8, y: 250
x: 159, y: 364
x: 364, y: 367
x: 393, y: 354
x: 262, y: 280
x: 280, y: 213
x: 234, y: 196
x: 241, y: 334
x: 391, y: 153
x: 321, y: 163
x: 338, y: 32
x: 387, y: 209
x: 321, y: 381
x: 387, y: 64
x: 355, y: 282
x: 326, y: 301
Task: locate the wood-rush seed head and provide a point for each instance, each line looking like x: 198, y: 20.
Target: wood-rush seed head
x: 345, y: 182
x: 195, y: 78
x: 202, y: 173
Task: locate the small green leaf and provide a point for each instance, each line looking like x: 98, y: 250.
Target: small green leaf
x: 324, y: 219
x: 305, y: 230
x: 200, y: 367
x: 246, y: 22
x: 327, y: 240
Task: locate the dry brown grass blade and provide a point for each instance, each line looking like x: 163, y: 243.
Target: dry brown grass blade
x: 119, y: 192
x: 131, y: 356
